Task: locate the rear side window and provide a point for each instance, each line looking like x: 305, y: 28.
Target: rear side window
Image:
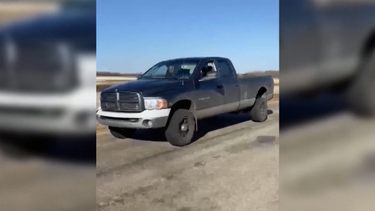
x: 225, y: 69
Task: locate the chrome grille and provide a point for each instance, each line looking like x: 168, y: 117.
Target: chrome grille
x: 121, y: 101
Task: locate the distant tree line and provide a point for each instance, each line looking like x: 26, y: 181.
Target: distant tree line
x: 117, y: 74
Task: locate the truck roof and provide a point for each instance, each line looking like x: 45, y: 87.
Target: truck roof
x: 198, y: 58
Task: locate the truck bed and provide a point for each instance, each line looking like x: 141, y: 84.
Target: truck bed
x: 250, y: 86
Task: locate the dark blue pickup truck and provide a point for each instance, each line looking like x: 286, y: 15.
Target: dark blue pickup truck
x: 174, y: 94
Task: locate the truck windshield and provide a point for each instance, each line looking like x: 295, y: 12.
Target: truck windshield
x: 175, y: 69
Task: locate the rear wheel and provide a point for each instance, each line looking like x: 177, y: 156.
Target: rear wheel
x: 259, y: 112
x: 181, y: 128
x: 122, y: 133
x: 361, y: 93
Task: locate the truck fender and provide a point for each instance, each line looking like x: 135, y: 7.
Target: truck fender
x: 192, y: 108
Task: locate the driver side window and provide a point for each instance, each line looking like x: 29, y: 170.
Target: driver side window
x: 209, y: 71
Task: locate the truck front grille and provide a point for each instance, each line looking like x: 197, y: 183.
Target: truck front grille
x: 129, y: 106
x: 109, y: 97
x: 121, y: 102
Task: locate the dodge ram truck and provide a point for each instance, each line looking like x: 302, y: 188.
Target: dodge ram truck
x: 175, y: 94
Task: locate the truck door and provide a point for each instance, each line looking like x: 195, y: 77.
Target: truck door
x: 210, y: 91
x: 232, y: 89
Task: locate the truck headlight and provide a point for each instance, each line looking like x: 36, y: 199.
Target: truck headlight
x: 155, y: 103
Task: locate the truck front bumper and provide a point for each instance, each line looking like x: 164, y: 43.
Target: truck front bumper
x: 143, y: 120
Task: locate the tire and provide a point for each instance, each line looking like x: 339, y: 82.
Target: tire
x: 122, y: 133
x: 174, y: 134
x: 361, y: 97
x: 259, y: 112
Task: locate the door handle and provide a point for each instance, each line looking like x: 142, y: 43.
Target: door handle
x: 236, y: 85
x: 220, y: 87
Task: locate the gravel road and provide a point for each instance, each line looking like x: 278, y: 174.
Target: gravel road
x: 234, y: 165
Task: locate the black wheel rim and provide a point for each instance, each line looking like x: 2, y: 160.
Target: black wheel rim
x: 184, y: 127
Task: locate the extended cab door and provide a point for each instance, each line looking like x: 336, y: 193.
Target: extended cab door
x: 232, y: 89
x: 209, y: 94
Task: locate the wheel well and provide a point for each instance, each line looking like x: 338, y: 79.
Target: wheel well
x: 181, y: 104
x: 261, y: 91
x: 369, y: 46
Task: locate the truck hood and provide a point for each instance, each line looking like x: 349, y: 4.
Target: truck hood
x: 147, y: 87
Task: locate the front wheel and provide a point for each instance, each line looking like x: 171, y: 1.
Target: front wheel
x: 181, y: 128
x: 259, y: 112
x: 122, y: 133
